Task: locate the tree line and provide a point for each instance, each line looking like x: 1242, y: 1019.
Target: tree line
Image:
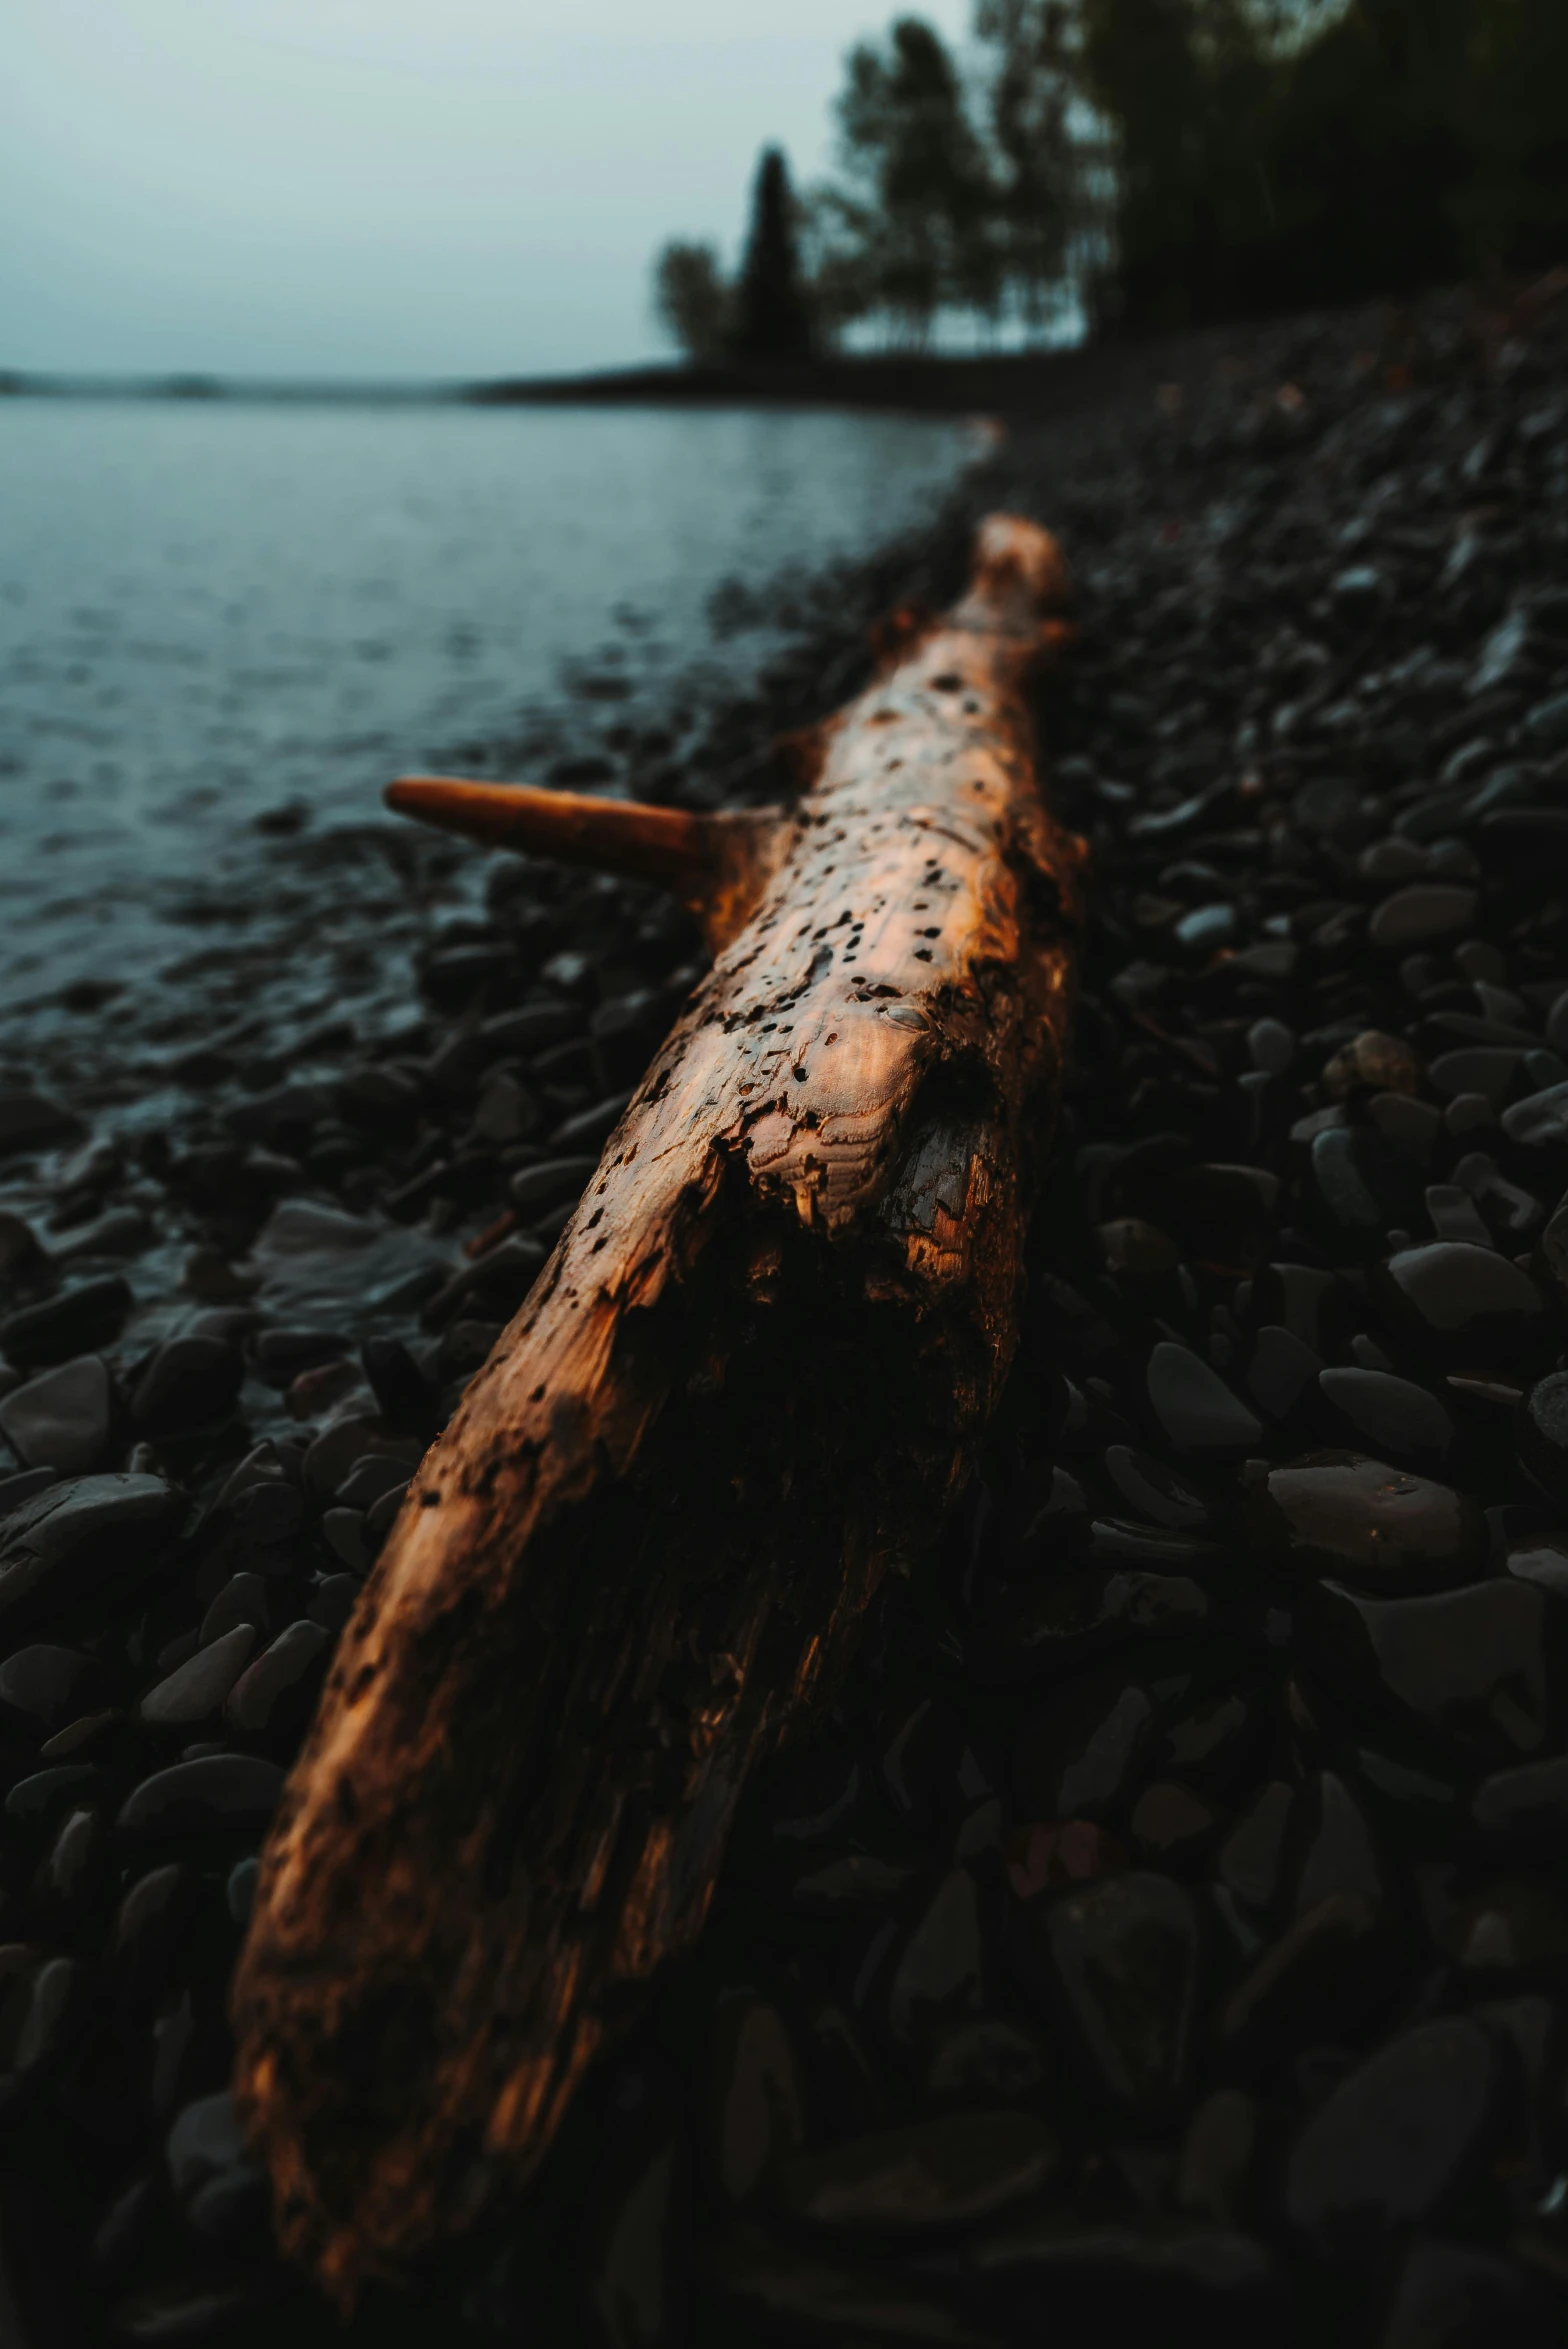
x: 1156, y: 163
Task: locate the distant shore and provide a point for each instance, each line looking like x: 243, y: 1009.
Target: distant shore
x: 1036, y: 383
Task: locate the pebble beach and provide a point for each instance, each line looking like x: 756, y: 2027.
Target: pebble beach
x: 1171, y: 1929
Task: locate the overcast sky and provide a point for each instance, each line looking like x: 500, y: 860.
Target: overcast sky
x: 385, y: 187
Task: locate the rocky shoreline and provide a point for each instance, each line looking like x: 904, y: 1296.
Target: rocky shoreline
x: 1174, y: 1926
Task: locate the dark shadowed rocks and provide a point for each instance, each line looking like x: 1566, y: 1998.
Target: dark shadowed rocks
x: 1393, y: 2146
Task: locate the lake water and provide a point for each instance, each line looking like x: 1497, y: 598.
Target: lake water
x: 210, y: 610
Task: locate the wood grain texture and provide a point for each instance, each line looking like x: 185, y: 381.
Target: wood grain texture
x: 743, y: 1389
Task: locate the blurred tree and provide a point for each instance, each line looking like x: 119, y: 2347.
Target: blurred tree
x: 918, y: 229
x: 772, y: 315
x: 1031, y: 79
x: 693, y: 303
x: 1186, y: 86
x: 838, y: 250
x: 1366, y: 156
x: 1247, y: 155
x: 1514, y: 114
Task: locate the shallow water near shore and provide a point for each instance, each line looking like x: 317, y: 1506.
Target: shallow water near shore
x: 224, y: 627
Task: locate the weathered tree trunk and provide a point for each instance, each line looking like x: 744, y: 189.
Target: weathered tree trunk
x: 743, y: 1388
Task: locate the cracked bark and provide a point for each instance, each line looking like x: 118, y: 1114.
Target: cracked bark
x: 744, y: 1388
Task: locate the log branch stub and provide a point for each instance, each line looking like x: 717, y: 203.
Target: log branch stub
x: 717, y: 865
x: 746, y: 1385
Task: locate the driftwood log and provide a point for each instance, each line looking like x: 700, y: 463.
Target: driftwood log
x: 744, y: 1387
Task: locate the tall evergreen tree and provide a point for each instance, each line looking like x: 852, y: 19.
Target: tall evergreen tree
x: 773, y: 320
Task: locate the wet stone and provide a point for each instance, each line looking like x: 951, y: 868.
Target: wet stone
x: 63, y: 1418
x: 1542, y: 1433
x: 1490, y: 1070
x: 1454, y: 1215
x: 986, y: 2059
x: 1124, y: 1953
x: 1421, y: 915
x: 370, y: 1480
x: 217, y: 1794
x: 1281, y: 1372
x: 1170, y: 1824
x: 339, y: 1448
x: 197, y: 2307
x: 1392, y: 2147
x: 1218, y: 2152
x: 848, y: 1886
x: 1206, y: 1742
x: 215, y: 2180
x: 75, y: 1321
x: 1138, y: 1252
x: 1053, y: 1853
x: 55, y: 2007
x: 1341, y: 1854
x: 1360, y: 1180
x: 555, y: 1182
x: 1543, y: 1559
x: 1527, y: 1806
x: 1332, y: 1965
x: 14, y: 1490
x: 79, y: 1536
x: 190, y: 1383
x: 46, y: 1686
x: 1468, y: 1115
x: 939, y: 1971
x: 150, y: 1925
x: 1205, y: 929
x: 590, y: 1128
x: 1470, y: 1304
x: 1539, y: 1122
x: 1393, y: 1415
x: 1197, y: 1411
x: 335, y: 1598
x: 1050, y: 1625
x: 1169, y: 2277
x: 239, y: 1890
x: 195, y: 1692
x: 813, y: 1792
x: 24, y: 1262
x: 1516, y: 1928
x: 1223, y: 1215
x: 1410, y: 1127
x: 265, y: 1517
x: 952, y: 2171
x: 326, y: 1389
x: 1080, y: 1753
x: 1372, y: 1062
x: 1151, y: 1491
x: 1271, y: 1046
x: 1454, y: 2296
x: 757, y: 2098
x: 1043, y: 1518
x: 1470, y: 1666
x: 31, y: 1121
x: 787, y: 2290
x: 402, y: 1392
x: 928, y: 1769
x: 1383, y: 1528
x: 507, y: 1110
x: 1151, y: 1546
x: 281, y: 1354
